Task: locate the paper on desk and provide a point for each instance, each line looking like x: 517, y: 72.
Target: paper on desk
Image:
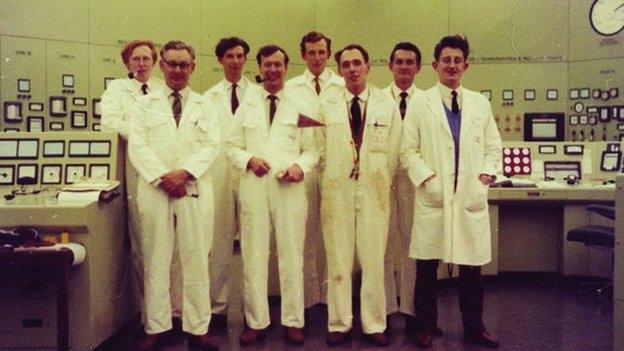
x: 65, y: 197
x: 78, y: 251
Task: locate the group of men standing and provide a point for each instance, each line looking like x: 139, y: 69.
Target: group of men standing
x: 323, y: 154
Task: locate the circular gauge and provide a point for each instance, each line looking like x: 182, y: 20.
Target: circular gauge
x: 605, y: 95
x: 614, y: 93
x: 596, y: 93
x: 578, y: 107
x: 607, y: 16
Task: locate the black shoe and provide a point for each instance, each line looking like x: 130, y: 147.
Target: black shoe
x: 377, y: 339
x: 218, y: 323
x: 337, y: 338
x: 423, y: 339
x: 482, y: 338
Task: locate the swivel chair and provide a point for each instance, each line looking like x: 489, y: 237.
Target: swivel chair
x: 600, y: 237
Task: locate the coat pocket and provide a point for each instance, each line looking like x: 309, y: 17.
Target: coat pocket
x: 477, y: 197
x: 432, y: 191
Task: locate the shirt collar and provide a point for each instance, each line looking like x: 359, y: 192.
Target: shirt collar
x: 242, y: 83
x: 184, y: 93
x: 446, y: 91
x: 396, y: 91
x: 364, y: 95
x: 279, y: 94
x: 323, y: 77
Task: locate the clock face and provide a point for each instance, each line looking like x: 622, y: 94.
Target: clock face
x: 607, y: 16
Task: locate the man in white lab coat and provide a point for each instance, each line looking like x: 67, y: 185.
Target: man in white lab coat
x: 173, y: 143
x: 451, y: 149
x: 400, y: 270
x: 316, y: 82
x: 119, y: 105
x: 273, y: 154
x: 359, y: 154
x: 226, y: 96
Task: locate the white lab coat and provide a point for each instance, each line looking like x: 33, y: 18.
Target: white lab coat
x: 354, y: 213
x: 302, y: 87
x: 448, y: 225
x: 225, y: 181
x: 156, y: 148
x: 400, y: 270
x: 266, y: 200
x: 119, y: 105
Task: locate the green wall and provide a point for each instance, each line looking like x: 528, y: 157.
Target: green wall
x: 516, y: 45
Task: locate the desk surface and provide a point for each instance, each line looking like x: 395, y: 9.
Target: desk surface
x: 556, y: 192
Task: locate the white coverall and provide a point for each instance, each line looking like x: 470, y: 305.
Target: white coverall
x: 266, y: 201
x: 119, y: 105
x: 302, y: 87
x: 225, y: 184
x: 453, y: 226
x: 354, y: 212
x: 400, y: 231
x: 156, y: 148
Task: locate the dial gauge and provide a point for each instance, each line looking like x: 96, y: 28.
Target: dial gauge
x: 607, y: 16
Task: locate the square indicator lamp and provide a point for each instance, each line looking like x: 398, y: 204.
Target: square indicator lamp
x: 516, y: 161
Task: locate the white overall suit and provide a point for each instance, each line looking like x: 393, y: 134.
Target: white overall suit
x: 302, y: 86
x: 225, y: 179
x: 354, y: 211
x: 157, y: 147
x: 267, y: 201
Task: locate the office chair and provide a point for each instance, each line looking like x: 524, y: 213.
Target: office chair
x: 600, y: 237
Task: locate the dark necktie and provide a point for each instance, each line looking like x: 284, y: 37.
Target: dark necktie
x: 454, y: 104
x: 176, y: 107
x: 272, y: 108
x: 234, y: 99
x: 403, y: 104
x: 144, y: 89
x: 317, y: 85
x: 356, y: 115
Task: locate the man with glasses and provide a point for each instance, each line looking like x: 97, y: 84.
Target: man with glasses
x: 451, y: 149
x: 273, y: 155
x: 226, y: 96
x: 173, y: 143
x: 359, y: 149
x: 404, y: 65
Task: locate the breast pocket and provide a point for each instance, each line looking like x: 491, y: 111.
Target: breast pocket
x: 157, y: 130
x: 377, y: 136
x: 289, y: 137
x: 253, y: 136
x: 198, y: 134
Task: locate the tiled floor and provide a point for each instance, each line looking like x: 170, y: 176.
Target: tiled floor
x: 525, y: 314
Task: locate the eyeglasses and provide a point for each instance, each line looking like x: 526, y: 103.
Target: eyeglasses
x: 174, y: 64
x: 448, y: 60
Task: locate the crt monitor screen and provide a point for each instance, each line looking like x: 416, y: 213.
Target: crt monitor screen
x: 544, y: 127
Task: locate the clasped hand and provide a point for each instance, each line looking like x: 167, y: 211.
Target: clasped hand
x: 174, y: 183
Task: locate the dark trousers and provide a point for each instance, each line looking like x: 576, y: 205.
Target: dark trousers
x: 470, y: 296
